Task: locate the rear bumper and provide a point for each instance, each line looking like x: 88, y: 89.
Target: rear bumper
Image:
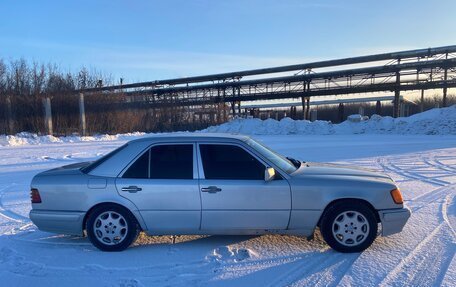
x: 64, y: 222
x: 393, y: 220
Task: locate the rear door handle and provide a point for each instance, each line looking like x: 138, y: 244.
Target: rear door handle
x: 211, y: 189
x: 131, y: 189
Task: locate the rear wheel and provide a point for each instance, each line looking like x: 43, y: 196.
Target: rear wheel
x: 349, y: 226
x: 112, y: 228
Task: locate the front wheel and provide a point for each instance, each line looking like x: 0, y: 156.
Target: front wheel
x: 111, y: 228
x: 349, y: 226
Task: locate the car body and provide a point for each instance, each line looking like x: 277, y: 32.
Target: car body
x: 201, y: 183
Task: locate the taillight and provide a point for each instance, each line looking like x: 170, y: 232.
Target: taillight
x: 35, y: 195
x: 397, y: 196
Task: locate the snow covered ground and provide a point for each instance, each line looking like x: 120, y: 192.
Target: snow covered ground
x: 422, y: 255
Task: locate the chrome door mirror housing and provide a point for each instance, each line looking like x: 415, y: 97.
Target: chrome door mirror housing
x: 269, y: 174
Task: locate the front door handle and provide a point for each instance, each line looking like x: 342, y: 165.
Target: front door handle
x: 131, y: 189
x: 211, y: 189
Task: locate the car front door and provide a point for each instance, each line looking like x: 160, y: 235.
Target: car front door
x: 162, y: 182
x: 234, y: 193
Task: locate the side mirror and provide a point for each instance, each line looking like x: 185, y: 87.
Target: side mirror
x: 269, y: 174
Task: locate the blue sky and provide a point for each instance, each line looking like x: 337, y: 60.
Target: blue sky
x: 147, y: 40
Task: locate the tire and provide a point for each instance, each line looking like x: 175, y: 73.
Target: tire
x: 111, y: 227
x: 349, y: 226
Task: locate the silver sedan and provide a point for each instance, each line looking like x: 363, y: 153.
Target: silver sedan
x: 213, y: 184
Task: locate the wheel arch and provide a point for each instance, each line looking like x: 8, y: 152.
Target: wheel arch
x: 360, y: 200
x: 135, y: 215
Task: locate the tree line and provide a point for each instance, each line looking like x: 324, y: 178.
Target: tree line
x: 24, y: 85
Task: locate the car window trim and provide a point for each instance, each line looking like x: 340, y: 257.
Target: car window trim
x: 148, y: 148
x: 148, y: 163
x: 240, y: 145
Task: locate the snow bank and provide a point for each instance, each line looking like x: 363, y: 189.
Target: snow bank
x: 26, y: 138
x: 433, y: 122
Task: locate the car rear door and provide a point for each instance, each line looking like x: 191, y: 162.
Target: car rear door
x: 234, y: 194
x: 163, y: 183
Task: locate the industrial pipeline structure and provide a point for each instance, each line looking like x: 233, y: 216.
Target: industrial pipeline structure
x: 419, y: 70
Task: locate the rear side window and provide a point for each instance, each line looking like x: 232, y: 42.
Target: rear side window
x: 230, y: 162
x: 140, y: 168
x: 163, y: 162
x: 171, y: 162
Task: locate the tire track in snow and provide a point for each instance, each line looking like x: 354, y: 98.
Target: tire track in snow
x: 304, y: 269
x: 332, y: 275
x: 438, y: 161
x: 192, y: 273
x: 388, y: 165
x: 329, y: 271
x: 435, y: 162
x: 8, y: 214
x: 431, y: 161
x: 423, y: 200
x: 383, y: 163
x: 431, y: 194
x: 448, y: 199
x: 428, y: 262
x: 28, y: 233
x: 450, y: 276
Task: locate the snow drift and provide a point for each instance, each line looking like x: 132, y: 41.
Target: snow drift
x: 433, y: 122
x: 26, y: 138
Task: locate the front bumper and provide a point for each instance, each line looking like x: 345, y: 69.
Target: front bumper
x: 393, y: 220
x: 64, y: 222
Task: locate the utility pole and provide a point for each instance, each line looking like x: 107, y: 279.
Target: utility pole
x: 82, y: 117
x: 445, y: 88
x: 48, y: 116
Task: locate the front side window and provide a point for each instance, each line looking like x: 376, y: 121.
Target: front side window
x: 163, y: 162
x: 230, y: 162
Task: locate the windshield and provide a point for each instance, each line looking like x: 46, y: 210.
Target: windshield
x: 283, y: 163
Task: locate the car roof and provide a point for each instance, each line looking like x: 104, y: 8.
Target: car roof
x: 113, y: 165
x: 187, y: 136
